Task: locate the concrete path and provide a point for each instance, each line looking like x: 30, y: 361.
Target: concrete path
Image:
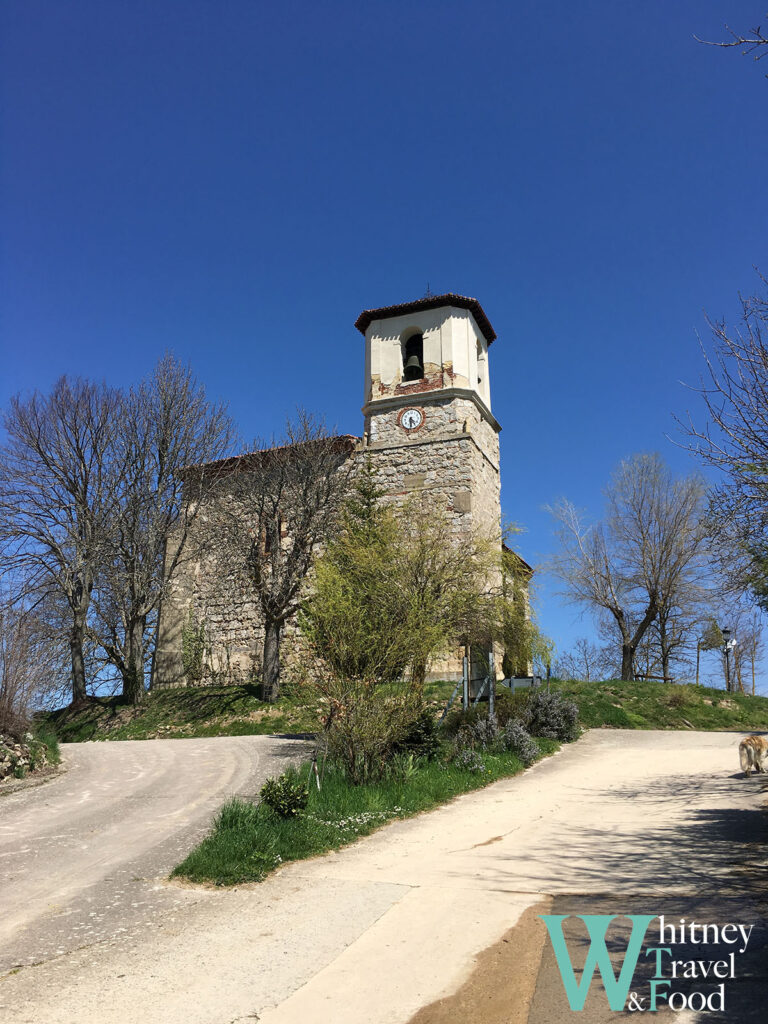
x: 410, y: 919
x: 84, y: 857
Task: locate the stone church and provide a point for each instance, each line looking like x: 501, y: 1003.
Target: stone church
x: 428, y: 429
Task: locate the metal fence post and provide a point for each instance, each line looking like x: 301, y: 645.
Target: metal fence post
x: 465, y: 682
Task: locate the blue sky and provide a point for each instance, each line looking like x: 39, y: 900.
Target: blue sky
x: 236, y: 181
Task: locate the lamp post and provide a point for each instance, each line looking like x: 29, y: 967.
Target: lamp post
x: 727, y: 640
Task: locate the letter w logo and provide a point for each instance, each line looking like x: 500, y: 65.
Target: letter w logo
x: 597, y: 926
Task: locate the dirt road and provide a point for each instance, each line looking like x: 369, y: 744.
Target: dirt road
x: 84, y: 857
x: 417, y: 918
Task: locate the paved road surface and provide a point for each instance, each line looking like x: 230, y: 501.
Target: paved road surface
x: 84, y: 857
x: 409, y: 919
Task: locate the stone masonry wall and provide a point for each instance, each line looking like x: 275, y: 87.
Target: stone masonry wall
x: 452, y: 459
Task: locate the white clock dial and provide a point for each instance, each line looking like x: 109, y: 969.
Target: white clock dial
x: 411, y: 419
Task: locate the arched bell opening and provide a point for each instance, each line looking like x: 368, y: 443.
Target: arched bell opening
x: 413, y: 357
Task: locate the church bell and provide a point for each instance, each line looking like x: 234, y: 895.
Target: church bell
x: 413, y: 369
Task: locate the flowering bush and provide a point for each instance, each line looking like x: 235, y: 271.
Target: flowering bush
x: 469, y: 760
x: 516, y: 739
x: 549, y: 714
x: 484, y: 732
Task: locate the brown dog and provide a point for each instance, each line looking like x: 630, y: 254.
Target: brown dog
x: 753, y: 752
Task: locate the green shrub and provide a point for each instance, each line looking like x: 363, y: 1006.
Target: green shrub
x: 517, y: 740
x: 367, y: 724
x: 508, y: 707
x: 403, y: 766
x: 46, y: 735
x: 550, y: 715
x: 286, y: 795
x: 421, y: 737
x: 459, y: 719
x: 193, y: 647
x: 511, y: 706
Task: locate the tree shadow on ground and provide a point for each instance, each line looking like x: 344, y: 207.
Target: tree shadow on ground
x: 700, y: 859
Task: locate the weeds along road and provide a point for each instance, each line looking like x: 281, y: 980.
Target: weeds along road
x: 84, y: 857
x: 430, y: 920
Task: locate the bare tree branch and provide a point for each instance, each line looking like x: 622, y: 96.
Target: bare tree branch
x: 749, y: 44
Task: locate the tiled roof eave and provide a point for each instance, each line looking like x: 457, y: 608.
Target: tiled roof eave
x: 368, y: 316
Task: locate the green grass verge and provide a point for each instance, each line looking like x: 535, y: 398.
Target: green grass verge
x: 248, y: 841
x: 181, y: 713
x: 45, y: 734
x: 650, y: 705
x: 237, y: 711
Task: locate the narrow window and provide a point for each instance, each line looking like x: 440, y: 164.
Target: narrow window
x: 413, y: 357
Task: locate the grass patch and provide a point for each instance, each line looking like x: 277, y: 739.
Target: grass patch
x: 652, y: 705
x: 238, y: 711
x: 45, y: 734
x: 248, y: 841
x: 181, y: 713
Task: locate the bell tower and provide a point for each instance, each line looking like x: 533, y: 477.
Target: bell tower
x: 428, y: 421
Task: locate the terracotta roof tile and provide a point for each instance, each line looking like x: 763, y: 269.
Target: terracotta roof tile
x: 430, y: 302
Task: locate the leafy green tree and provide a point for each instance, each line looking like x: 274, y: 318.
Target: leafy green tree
x: 524, y: 643
x: 393, y: 590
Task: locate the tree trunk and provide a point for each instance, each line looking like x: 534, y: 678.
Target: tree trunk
x: 665, y: 652
x: 629, y: 646
x: 76, y: 636
x: 271, y: 665
x: 133, y: 677
x: 627, y: 662
x: 418, y: 674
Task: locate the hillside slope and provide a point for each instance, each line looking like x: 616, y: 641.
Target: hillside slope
x: 650, y: 705
x: 237, y: 711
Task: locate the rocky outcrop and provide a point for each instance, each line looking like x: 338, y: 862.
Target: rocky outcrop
x: 18, y: 757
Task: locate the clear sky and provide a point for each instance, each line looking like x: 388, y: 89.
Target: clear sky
x: 237, y: 180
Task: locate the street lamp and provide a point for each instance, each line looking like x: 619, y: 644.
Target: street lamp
x: 727, y: 641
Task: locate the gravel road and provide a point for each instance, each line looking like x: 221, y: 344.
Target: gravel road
x: 435, y: 916
x: 84, y: 856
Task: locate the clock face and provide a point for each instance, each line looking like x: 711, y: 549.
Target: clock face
x: 411, y: 419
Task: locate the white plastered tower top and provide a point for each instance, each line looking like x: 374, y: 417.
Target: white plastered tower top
x: 451, y: 335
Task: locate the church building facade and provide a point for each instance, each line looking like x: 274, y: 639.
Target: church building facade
x: 428, y: 430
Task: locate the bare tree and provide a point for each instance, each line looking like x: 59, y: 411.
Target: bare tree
x: 273, y: 509
x: 168, y: 424
x: 31, y: 661
x: 747, y: 650
x: 642, y: 557
x: 734, y: 440
x: 586, y: 660
x: 756, y: 43
x: 744, y: 645
x: 58, y: 496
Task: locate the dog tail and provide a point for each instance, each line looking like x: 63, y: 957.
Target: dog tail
x: 744, y: 757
